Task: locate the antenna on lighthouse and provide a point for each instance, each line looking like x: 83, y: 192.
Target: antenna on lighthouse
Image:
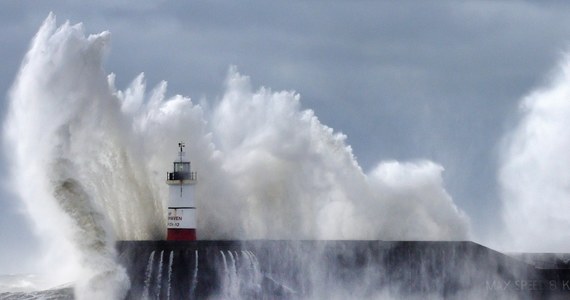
x: 181, y: 154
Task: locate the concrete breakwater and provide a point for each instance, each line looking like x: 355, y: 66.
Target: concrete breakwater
x: 307, y: 269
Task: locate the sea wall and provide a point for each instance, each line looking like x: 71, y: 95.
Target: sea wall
x: 331, y: 269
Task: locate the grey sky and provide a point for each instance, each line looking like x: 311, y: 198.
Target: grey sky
x: 438, y: 80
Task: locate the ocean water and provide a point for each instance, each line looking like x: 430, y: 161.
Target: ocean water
x: 31, y: 286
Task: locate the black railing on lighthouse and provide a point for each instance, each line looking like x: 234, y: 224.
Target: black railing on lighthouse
x: 181, y: 176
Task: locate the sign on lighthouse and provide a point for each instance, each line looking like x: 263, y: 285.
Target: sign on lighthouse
x: 181, y: 203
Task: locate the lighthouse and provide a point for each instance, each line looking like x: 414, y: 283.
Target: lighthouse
x: 181, y: 203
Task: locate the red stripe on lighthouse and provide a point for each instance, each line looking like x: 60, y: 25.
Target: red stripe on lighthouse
x: 181, y: 234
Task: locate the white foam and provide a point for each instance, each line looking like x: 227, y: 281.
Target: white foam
x: 97, y: 157
x: 534, y: 173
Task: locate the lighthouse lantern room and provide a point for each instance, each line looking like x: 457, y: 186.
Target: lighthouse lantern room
x: 181, y: 203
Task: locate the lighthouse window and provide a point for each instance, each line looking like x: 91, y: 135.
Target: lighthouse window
x: 182, y: 167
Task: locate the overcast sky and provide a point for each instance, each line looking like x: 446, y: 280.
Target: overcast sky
x: 406, y: 80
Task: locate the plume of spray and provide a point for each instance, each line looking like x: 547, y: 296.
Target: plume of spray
x: 535, y: 169
x: 299, y: 179
x: 46, y: 134
x: 96, y: 157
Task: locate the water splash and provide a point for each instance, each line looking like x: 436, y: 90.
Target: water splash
x: 253, y: 269
x: 268, y: 168
x: 159, y: 276
x: 230, y: 288
x: 241, y: 275
x: 170, y: 260
x: 195, y: 274
x: 57, y: 79
x: 148, y: 275
x: 534, y: 170
x: 299, y: 180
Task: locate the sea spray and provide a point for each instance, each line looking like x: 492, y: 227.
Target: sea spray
x: 241, y: 277
x: 534, y: 173
x: 159, y: 276
x: 269, y: 169
x: 168, y: 285
x: 298, y: 179
x: 148, y: 275
x: 58, y: 79
x: 195, y: 274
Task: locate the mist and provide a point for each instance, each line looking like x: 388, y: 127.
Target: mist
x: 267, y: 168
x: 534, y: 168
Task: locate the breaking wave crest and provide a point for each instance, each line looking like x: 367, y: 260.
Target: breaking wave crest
x: 96, y: 158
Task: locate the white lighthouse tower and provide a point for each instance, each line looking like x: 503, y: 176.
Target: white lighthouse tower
x: 181, y: 203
